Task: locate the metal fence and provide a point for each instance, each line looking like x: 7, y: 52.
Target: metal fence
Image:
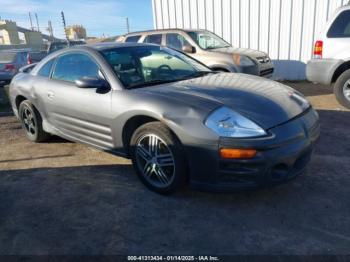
x: 285, y: 29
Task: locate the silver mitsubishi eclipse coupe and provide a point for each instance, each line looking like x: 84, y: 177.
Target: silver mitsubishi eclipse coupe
x: 177, y: 120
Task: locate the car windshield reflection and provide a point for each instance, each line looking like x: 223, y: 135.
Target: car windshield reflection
x: 141, y: 66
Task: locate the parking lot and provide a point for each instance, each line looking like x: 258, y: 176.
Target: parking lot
x: 64, y: 198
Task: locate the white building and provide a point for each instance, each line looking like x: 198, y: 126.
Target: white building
x: 285, y: 29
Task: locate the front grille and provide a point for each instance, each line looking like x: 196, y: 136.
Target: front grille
x: 266, y: 72
x: 282, y: 171
x: 263, y: 59
x: 239, y: 173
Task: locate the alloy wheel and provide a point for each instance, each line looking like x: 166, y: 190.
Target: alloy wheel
x: 346, y: 90
x: 29, y: 122
x: 155, y: 160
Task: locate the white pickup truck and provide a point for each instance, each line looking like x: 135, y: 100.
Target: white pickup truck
x: 331, y: 59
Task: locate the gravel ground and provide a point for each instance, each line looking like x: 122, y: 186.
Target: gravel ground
x: 64, y: 198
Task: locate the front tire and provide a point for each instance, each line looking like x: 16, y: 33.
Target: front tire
x: 158, y: 158
x: 342, y: 89
x: 32, y: 122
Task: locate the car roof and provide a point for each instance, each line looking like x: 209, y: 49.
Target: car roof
x: 16, y: 50
x: 94, y: 47
x: 162, y: 31
x: 344, y: 7
x: 109, y: 45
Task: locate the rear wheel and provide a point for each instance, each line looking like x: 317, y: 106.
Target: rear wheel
x: 158, y: 158
x: 342, y: 89
x: 32, y: 122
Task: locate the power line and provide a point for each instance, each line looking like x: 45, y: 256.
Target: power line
x: 31, y: 23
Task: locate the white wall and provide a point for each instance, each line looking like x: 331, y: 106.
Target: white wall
x: 286, y: 29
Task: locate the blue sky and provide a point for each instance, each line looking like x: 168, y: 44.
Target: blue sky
x: 98, y: 17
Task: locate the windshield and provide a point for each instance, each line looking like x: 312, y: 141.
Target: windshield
x: 139, y: 66
x: 60, y: 45
x: 6, y: 57
x: 207, y: 40
x: 57, y: 46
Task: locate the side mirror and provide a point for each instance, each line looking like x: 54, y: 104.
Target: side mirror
x: 101, y: 85
x: 188, y: 49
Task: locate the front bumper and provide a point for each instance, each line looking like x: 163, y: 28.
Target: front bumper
x: 5, y: 77
x: 282, y: 155
x: 266, y: 69
x: 259, y: 70
x: 322, y: 70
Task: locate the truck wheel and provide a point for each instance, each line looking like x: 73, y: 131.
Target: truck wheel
x: 342, y: 89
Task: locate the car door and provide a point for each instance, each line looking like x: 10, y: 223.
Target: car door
x: 81, y: 114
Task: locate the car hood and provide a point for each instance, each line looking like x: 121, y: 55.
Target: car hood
x: 241, y: 51
x: 266, y: 102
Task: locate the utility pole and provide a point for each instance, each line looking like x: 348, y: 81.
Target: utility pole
x: 37, y: 22
x: 31, y: 22
x: 127, y: 25
x: 49, y: 28
x: 64, y: 26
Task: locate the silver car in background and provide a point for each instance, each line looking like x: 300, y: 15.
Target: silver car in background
x: 207, y: 48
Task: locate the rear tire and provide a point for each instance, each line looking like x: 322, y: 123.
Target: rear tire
x: 32, y: 122
x: 161, y: 167
x: 342, y: 89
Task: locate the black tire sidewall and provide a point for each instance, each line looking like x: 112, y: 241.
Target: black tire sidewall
x: 174, y: 145
x: 40, y: 135
x: 338, y: 88
x: 23, y: 106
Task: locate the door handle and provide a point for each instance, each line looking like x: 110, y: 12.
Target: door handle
x: 50, y: 94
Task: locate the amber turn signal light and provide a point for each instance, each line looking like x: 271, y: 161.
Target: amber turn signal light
x: 237, y: 153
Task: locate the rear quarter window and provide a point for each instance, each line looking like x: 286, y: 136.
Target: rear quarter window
x: 7, y: 57
x: 132, y: 39
x: 45, y: 70
x: 153, y: 39
x: 340, y: 26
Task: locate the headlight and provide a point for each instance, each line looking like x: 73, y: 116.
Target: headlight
x: 227, y: 123
x: 242, y: 60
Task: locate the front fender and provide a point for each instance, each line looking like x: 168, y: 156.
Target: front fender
x: 229, y: 67
x: 186, y: 121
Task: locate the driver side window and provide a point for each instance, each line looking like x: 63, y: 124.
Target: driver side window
x: 175, y: 41
x: 74, y: 66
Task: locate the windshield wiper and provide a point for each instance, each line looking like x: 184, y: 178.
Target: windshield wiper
x: 151, y: 83
x: 217, y: 47
x: 202, y: 73
x: 197, y: 74
x: 163, y: 81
